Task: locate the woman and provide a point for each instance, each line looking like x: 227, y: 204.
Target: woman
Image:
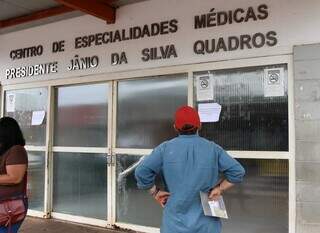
x: 13, y: 166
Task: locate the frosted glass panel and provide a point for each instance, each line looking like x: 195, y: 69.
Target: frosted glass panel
x: 248, y: 120
x: 146, y: 110
x: 80, y: 184
x: 23, y: 104
x: 36, y: 177
x: 260, y: 203
x: 133, y: 205
x: 81, y: 116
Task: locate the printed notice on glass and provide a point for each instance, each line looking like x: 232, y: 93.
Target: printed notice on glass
x: 209, y: 112
x: 38, y: 117
x: 213, y: 208
x: 274, y: 82
x: 11, y: 102
x: 204, y: 87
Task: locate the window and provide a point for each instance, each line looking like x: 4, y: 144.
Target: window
x: 146, y: 108
x: 24, y: 105
x: 248, y: 120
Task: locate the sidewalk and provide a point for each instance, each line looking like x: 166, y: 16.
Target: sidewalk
x: 36, y: 225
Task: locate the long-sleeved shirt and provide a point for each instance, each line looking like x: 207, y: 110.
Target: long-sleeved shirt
x: 189, y: 164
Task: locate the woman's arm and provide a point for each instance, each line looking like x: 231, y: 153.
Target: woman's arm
x: 15, y: 174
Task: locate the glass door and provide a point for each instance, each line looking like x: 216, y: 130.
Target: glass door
x: 144, y: 118
x: 81, y: 142
x: 25, y: 105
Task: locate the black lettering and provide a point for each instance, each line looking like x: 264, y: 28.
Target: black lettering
x: 105, y: 38
x: 164, y: 51
x: 115, y: 59
x: 210, y: 47
x: 84, y: 42
x: 263, y: 10
x: 164, y: 26
x: 124, y: 36
x: 91, y: 40
x: 200, y: 21
x: 154, y: 54
x: 221, y: 45
x: 230, y: 17
x: 245, y: 40
x: 123, y: 58
x: 145, y: 55
x: 173, y: 25
x: 236, y: 15
x: 172, y: 51
x: 222, y: 18
x: 77, y: 43
x: 271, y: 38
x: 199, y: 47
x: 212, y: 18
x: 98, y: 39
x: 233, y: 43
x: 57, y: 46
x: 155, y: 29
x: 40, y: 50
x: 136, y: 32
x: 13, y: 54
x: 117, y: 36
x: 258, y: 40
x: 145, y: 31
x: 250, y: 15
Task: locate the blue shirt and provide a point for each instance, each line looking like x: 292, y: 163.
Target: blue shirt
x: 189, y: 164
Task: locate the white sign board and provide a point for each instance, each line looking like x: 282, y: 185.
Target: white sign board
x: 209, y: 112
x: 274, y: 82
x: 38, y: 117
x: 10, y: 102
x: 205, y: 87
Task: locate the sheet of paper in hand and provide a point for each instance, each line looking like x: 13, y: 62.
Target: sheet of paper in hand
x: 213, y: 208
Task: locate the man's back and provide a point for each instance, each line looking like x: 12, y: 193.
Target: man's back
x: 190, y: 164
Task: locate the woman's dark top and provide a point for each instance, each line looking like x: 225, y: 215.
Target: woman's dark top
x: 14, y: 156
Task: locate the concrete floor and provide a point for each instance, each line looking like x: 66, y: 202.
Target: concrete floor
x: 36, y: 225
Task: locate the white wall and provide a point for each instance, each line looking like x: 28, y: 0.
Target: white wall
x: 295, y: 21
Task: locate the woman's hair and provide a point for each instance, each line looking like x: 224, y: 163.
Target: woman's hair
x: 188, y: 130
x: 10, y: 134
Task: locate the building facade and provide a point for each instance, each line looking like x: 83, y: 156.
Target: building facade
x: 93, y: 98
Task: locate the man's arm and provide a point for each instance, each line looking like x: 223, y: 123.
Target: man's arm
x: 232, y: 171
x: 146, y: 172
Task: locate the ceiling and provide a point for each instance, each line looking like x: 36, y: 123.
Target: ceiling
x: 11, y: 9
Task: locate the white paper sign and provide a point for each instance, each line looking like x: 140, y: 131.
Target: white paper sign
x: 273, y: 82
x: 38, y: 117
x: 209, y: 112
x: 11, y: 103
x: 205, y: 87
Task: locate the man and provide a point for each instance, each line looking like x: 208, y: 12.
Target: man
x: 189, y: 164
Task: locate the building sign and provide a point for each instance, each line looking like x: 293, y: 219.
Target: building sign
x: 209, y: 31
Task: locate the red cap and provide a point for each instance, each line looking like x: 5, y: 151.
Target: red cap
x: 186, y: 115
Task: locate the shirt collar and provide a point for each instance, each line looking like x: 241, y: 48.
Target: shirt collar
x: 188, y: 136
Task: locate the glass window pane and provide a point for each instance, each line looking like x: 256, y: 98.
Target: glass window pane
x: 260, y: 203
x: 20, y: 105
x: 248, y: 120
x: 36, y: 177
x: 81, y: 116
x: 80, y: 184
x: 133, y: 205
x: 146, y: 109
